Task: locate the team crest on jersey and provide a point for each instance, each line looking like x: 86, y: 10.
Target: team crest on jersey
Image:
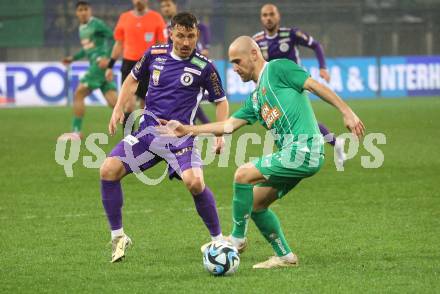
x: 149, y: 37
x: 284, y: 47
x: 155, y: 76
x: 186, y: 79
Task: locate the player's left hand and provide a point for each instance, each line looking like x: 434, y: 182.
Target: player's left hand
x: 219, y: 145
x: 354, y: 124
x: 323, y: 73
x: 117, y: 117
x: 102, y: 62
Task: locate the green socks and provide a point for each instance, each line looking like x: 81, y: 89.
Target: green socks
x: 242, y: 203
x: 77, y: 124
x: 269, y: 225
x: 266, y: 220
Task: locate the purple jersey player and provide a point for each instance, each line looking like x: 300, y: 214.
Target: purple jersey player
x: 168, y: 9
x: 277, y: 42
x: 175, y: 75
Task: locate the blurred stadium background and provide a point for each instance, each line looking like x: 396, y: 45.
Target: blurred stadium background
x: 40, y: 30
x: 355, y: 34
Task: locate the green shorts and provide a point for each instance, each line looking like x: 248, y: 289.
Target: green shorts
x: 95, y: 78
x: 284, y: 171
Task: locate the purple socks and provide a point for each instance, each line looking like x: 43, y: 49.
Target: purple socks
x: 112, y: 200
x: 205, y: 206
x: 328, y: 137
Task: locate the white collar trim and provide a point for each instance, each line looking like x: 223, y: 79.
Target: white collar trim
x: 174, y: 56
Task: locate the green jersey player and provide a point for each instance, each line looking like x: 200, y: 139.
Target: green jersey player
x: 97, y: 41
x: 281, y: 105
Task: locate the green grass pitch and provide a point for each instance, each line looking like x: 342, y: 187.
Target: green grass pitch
x: 361, y: 230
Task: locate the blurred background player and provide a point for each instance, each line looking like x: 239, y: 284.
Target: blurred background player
x: 135, y: 32
x: 168, y: 9
x: 175, y: 73
x: 96, y: 40
x: 279, y: 42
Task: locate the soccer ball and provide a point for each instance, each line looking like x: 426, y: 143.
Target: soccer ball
x: 220, y: 258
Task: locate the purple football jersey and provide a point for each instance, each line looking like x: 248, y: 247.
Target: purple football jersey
x: 284, y: 44
x: 175, y: 84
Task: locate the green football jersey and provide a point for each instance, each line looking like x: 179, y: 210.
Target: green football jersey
x: 280, y: 103
x: 96, y: 40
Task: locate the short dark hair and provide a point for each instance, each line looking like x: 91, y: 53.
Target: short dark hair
x: 184, y: 19
x: 82, y: 3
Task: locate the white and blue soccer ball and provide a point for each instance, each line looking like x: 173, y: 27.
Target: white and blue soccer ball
x: 221, y: 258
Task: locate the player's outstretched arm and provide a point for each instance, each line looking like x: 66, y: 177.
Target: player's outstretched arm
x: 114, y: 55
x: 175, y: 128
x: 127, y: 91
x: 351, y: 120
x: 221, y: 113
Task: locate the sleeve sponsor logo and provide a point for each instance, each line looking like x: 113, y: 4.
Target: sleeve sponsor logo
x: 300, y: 34
x: 198, y: 62
x: 216, y: 86
x: 138, y: 65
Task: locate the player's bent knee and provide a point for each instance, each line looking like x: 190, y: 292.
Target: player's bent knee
x: 241, y: 176
x: 195, y: 185
x: 112, y: 169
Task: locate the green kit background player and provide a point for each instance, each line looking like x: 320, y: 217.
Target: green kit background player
x: 281, y: 105
x: 97, y: 41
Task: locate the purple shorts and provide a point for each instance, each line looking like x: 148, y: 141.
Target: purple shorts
x: 140, y: 153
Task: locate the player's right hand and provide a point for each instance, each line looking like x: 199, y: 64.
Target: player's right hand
x: 117, y: 117
x: 109, y: 74
x: 354, y: 124
x: 67, y: 60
